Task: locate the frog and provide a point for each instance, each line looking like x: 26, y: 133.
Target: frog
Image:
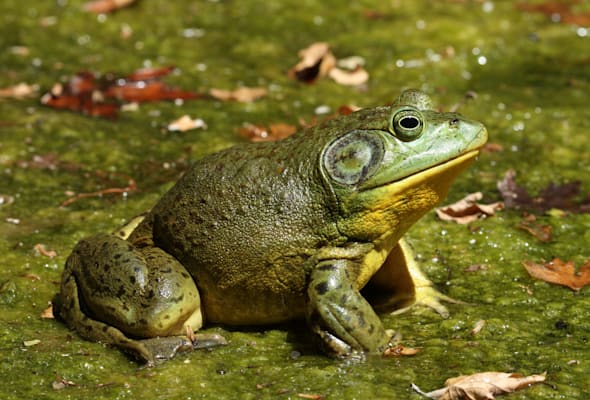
x: 309, y: 228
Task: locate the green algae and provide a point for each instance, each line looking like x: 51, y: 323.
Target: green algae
x: 532, y: 93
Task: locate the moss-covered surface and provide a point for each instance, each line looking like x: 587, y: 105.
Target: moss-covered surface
x: 532, y: 84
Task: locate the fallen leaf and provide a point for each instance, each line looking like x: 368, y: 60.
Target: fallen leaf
x: 467, y: 209
x: 61, y: 383
x: 349, y: 78
x: 47, y: 313
x: 31, y: 276
x: 103, y: 96
x: 310, y: 396
x: 492, y: 148
x: 242, y: 94
x: 481, y: 386
x: 477, y: 327
x: 6, y: 199
x: 20, y: 91
x: 186, y: 123
x: 541, y: 232
x: 316, y: 60
x: 558, y: 12
x: 259, y: 133
x: 565, y: 197
x: 41, y: 249
x: 399, y: 350
x: 106, y: 6
x: 29, y: 343
x: 560, y: 272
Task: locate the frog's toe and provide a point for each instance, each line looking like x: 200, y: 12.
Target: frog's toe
x: 207, y: 340
x: 432, y: 298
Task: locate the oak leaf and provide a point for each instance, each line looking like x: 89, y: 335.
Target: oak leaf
x: 481, y: 386
x: 560, y: 272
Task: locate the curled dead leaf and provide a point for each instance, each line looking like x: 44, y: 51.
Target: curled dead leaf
x: 560, y: 272
x: 481, y: 386
x: 541, y: 232
x: 467, y: 209
x: 243, y: 94
x: 316, y: 60
x: 41, y: 249
x: 355, y: 77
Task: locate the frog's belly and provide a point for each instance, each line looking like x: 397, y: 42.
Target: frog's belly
x: 257, y: 297
x: 260, y: 308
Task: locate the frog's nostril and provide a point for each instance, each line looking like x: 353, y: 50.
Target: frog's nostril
x: 454, y: 121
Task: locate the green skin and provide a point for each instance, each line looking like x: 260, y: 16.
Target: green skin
x: 270, y: 232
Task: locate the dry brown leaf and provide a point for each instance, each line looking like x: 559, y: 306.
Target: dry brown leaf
x: 482, y: 386
x: 310, y: 396
x: 186, y: 123
x: 540, y: 231
x: 399, y: 350
x: 259, y: 133
x: 20, y: 91
x: 560, y: 272
x: 41, y: 249
x: 106, y: 6
x: 316, y: 61
x: 565, y: 197
x: 242, y: 94
x: 467, y: 209
x: 47, y: 313
x: 355, y: 77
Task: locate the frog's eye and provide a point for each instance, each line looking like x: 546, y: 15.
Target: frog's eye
x: 354, y: 157
x: 407, y: 124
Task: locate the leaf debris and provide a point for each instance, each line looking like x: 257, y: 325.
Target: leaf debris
x: 468, y: 209
x: 481, y: 386
x: 560, y: 272
x: 565, y: 197
x: 318, y: 61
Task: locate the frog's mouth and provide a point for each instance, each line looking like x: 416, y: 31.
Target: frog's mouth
x: 444, y: 171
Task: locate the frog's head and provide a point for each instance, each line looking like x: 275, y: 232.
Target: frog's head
x: 395, y: 163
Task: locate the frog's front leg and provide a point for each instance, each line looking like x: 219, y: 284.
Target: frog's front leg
x: 337, y: 313
x: 139, y: 299
x: 400, y: 284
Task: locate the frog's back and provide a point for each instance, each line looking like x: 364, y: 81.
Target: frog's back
x: 243, y: 222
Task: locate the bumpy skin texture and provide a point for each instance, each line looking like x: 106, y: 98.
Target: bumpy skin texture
x: 269, y: 232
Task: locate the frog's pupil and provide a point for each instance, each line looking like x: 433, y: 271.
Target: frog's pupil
x: 409, y: 122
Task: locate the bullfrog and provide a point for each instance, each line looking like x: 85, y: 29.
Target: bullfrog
x: 306, y: 228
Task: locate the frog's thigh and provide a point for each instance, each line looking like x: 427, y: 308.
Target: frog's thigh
x: 400, y: 283
x: 143, y: 292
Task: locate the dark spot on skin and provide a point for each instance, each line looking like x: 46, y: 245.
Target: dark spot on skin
x: 136, y: 268
x: 105, y: 328
x: 121, y: 291
x: 361, y: 320
x: 167, y: 270
x: 132, y: 279
x: 117, y: 256
x: 150, y: 294
x: 327, y: 267
x: 321, y: 288
x: 167, y: 316
x: 185, y: 275
x: 371, y: 329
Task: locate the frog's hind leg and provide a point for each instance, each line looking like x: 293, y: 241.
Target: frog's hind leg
x: 139, y: 299
x: 401, y: 284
